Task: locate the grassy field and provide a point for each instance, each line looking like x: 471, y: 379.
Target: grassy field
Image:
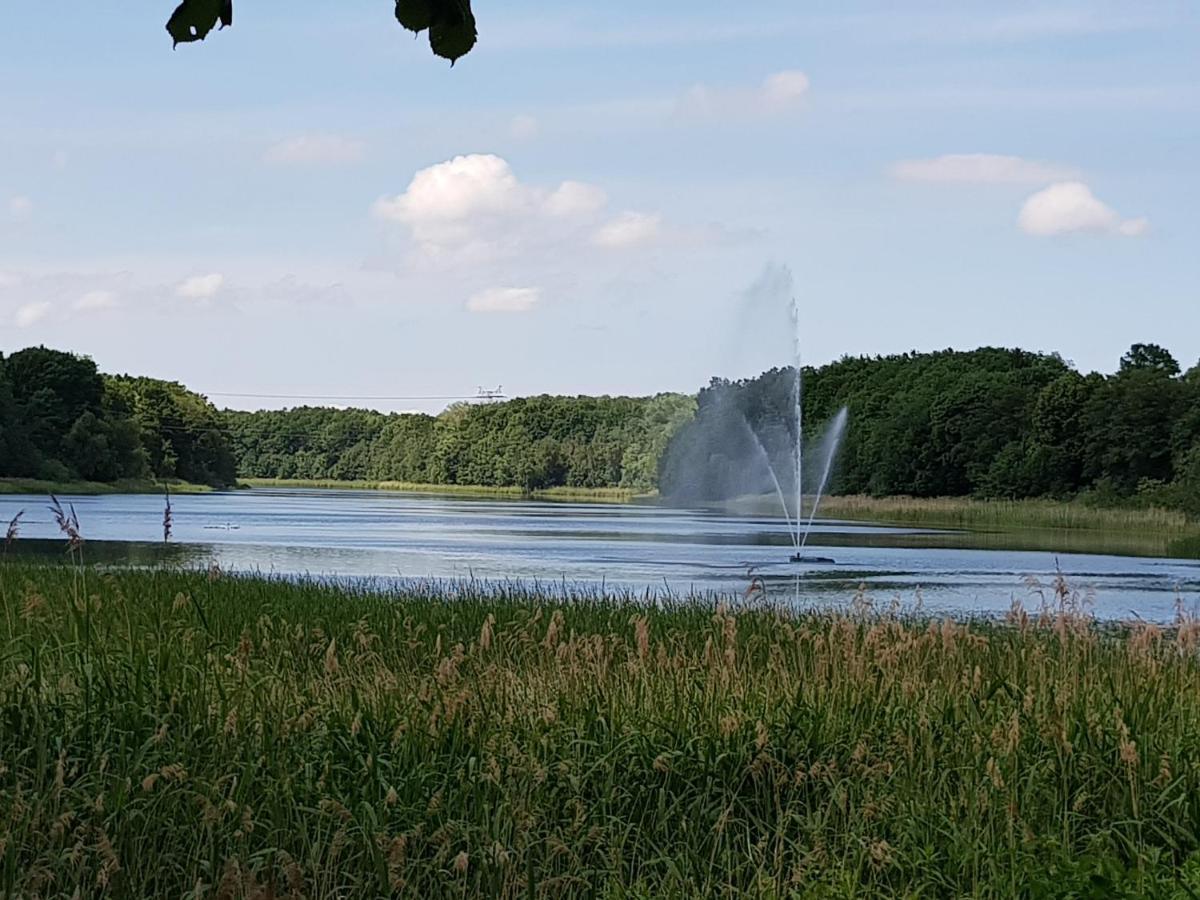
x: 177, y: 734
x: 618, y: 495
x: 34, y: 486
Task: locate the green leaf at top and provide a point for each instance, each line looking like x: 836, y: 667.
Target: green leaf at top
x: 415, y: 15
x: 194, y: 19
x: 452, y: 33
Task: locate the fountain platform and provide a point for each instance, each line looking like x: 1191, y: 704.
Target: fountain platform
x: 805, y: 558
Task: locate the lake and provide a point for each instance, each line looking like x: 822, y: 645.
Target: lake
x: 618, y: 547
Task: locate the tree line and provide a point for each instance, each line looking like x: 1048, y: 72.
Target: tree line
x: 61, y: 420
x: 992, y: 423
x: 532, y: 442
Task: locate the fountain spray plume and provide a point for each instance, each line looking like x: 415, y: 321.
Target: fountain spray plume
x: 793, y: 532
x: 798, y: 400
x: 826, y: 450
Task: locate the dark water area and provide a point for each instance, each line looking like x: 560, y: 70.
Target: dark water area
x: 383, y: 535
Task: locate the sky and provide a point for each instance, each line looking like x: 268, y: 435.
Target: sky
x: 310, y: 205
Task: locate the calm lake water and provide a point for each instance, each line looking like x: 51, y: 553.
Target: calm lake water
x: 386, y: 535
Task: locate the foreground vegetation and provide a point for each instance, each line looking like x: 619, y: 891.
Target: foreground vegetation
x: 199, y: 735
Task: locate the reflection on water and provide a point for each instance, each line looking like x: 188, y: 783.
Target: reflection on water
x: 367, y: 534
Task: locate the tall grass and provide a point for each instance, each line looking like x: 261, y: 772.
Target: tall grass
x: 262, y: 738
x: 967, y: 512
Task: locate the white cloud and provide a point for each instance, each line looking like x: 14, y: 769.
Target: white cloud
x: 316, y: 150
x: 20, y: 207
x: 504, y: 300
x: 980, y: 168
x: 779, y: 93
x: 574, y: 198
x: 31, y: 313
x: 523, y: 128
x: 201, y: 287
x: 95, y: 301
x: 785, y: 88
x: 474, y: 208
x: 1070, y: 207
x: 628, y: 230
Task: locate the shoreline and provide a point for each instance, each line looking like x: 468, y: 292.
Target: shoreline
x: 598, y: 495
x: 15, y: 486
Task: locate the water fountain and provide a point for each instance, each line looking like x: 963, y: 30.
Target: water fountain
x: 825, y: 451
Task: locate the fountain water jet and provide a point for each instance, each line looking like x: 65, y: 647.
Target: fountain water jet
x: 826, y: 453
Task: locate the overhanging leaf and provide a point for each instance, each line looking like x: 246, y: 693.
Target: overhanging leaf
x: 452, y: 33
x: 194, y: 19
x: 415, y: 15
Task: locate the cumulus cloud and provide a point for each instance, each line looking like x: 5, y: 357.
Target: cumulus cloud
x: 1070, y: 207
x: 96, y: 301
x: 629, y: 229
x: 201, y: 287
x: 31, y: 313
x: 20, y: 207
x: 523, y: 128
x: 778, y: 93
x: 474, y: 208
x: 574, y: 198
x: 316, y: 150
x: 979, y: 168
x: 504, y: 300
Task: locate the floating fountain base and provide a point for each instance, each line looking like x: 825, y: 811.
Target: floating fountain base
x: 804, y: 558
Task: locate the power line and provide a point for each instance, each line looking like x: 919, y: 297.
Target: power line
x: 482, y: 395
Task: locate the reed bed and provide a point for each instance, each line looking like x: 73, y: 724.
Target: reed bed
x: 968, y: 512
x: 190, y: 734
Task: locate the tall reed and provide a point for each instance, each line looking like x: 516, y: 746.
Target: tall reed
x: 310, y: 740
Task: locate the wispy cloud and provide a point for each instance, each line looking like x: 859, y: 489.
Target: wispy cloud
x: 778, y: 93
x: 20, y: 207
x: 504, y: 300
x: 201, y: 287
x: 980, y: 168
x: 96, y: 301
x: 316, y: 150
x: 31, y: 313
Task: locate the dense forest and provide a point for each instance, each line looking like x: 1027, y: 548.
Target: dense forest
x: 533, y: 443
x: 988, y: 423
x: 61, y: 419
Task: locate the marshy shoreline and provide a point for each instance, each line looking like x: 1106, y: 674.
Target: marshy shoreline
x: 291, y: 738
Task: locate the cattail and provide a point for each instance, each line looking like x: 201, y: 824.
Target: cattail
x: 13, y: 529
x: 641, y: 626
x: 68, y: 523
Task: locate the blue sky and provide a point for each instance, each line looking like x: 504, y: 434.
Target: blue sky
x: 310, y: 203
